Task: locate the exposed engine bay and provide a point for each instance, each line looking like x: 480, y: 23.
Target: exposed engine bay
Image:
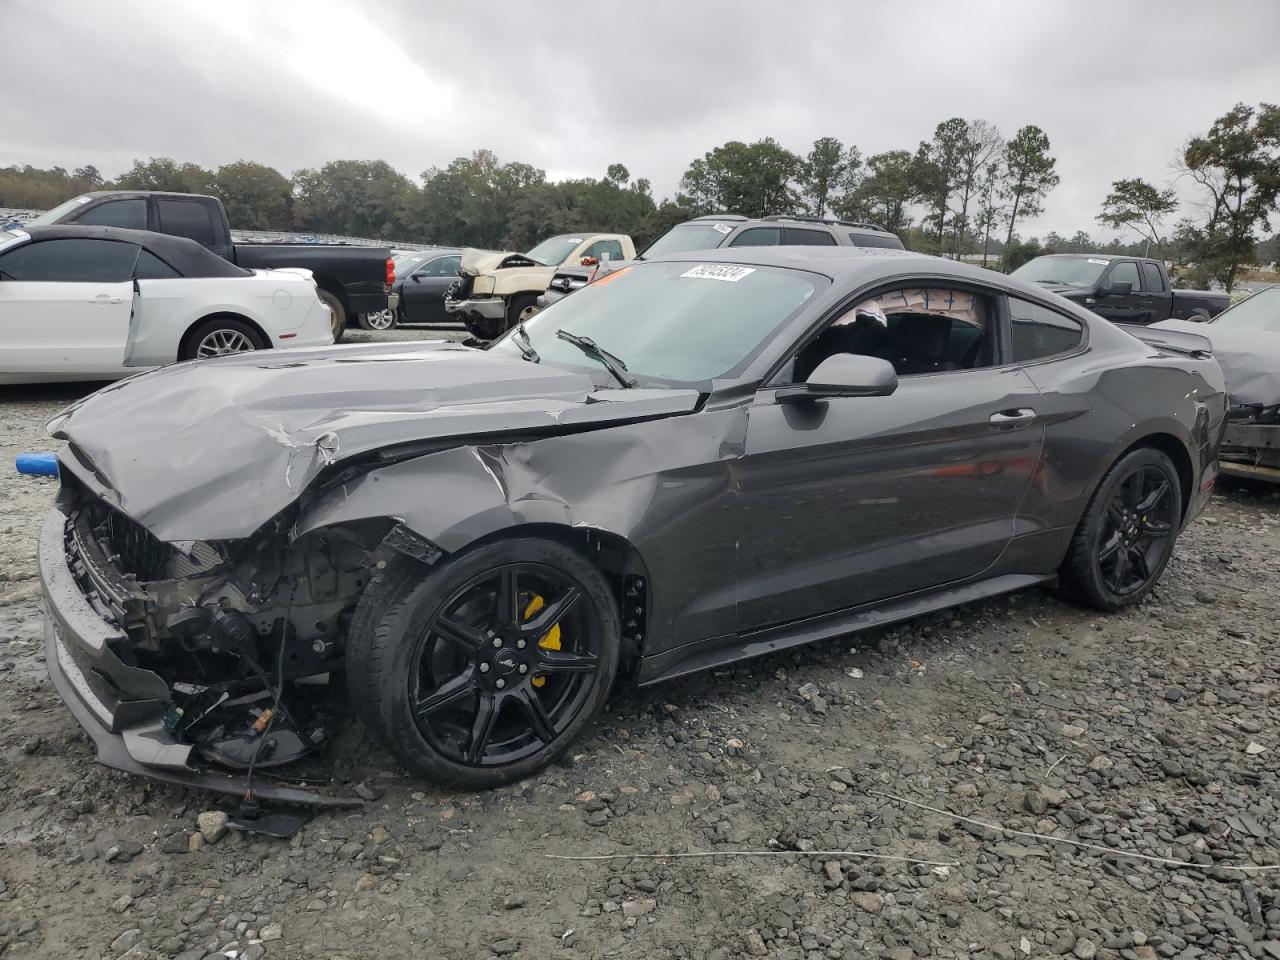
x: 243, y: 633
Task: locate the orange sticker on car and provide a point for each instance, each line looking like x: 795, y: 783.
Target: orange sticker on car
x: 609, y: 277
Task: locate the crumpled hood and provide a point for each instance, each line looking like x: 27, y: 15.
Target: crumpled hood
x: 476, y: 262
x: 1250, y: 359
x: 214, y: 449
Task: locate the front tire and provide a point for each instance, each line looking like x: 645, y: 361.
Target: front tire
x: 521, y: 308
x: 483, y: 670
x: 1126, y: 535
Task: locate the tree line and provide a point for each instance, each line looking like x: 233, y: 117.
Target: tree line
x: 965, y: 190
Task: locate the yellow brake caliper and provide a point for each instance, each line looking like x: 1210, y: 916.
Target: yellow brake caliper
x: 550, y: 641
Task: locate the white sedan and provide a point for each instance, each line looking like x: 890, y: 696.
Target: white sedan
x: 101, y: 303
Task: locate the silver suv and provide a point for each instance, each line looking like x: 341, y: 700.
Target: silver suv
x: 733, y: 230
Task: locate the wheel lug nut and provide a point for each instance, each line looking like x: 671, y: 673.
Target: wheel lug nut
x: 484, y: 668
x: 524, y: 668
x: 519, y: 644
x: 500, y: 683
x: 497, y: 642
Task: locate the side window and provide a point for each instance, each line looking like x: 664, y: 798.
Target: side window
x: 1152, y: 282
x: 151, y: 267
x: 131, y: 214
x: 186, y: 218
x: 917, y: 329
x: 796, y: 237
x: 758, y: 237
x: 70, y: 261
x: 1126, y: 271
x: 605, y: 248
x: 440, y: 267
x: 1040, y: 332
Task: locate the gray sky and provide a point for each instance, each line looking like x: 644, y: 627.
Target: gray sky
x: 573, y: 86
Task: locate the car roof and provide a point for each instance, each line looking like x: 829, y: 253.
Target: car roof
x: 186, y: 256
x: 850, y: 267
x: 829, y: 261
x: 143, y: 193
x: 1096, y: 256
x: 800, y: 220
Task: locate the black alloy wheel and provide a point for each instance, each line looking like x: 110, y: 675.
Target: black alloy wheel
x: 482, y: 670
x: 1137, y: 531
x: 1127, y: 533
x: 501, y: 670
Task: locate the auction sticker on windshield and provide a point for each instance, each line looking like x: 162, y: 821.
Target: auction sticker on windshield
x: 722, y: 228
x: 1101, y: 263
x: 727, y: 272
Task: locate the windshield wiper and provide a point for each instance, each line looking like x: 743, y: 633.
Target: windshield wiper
x: 593, y: 349
x: 524, y: 344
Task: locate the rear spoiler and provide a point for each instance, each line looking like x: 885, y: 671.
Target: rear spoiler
x: 1190, y: 344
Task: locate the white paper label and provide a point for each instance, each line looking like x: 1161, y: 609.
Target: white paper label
x: 575, y: 239
x: 1101, y: 263
x: 728, y: 272
x: 722, y: 227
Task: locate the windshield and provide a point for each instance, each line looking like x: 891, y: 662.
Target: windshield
x: 1069, y: 271
x: 54, y: 215
x: 1258, y: 312
x: 552, y: 252
x: 673, y: 323
x: 704, y: 235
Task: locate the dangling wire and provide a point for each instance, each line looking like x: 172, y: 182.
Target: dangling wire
x: 247, y: 800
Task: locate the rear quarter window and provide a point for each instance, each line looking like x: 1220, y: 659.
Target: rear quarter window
x: 881, y: 241
x: 1039, y: 332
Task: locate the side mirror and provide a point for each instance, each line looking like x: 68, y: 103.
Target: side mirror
x: 845, y: 375
x: 589, y: 261
x: 1118, y: 288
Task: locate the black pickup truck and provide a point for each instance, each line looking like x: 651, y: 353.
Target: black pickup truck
x: 351, y: 279
x: 1122, y: 289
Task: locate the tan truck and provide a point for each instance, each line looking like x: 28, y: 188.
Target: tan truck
x: 495, y: 291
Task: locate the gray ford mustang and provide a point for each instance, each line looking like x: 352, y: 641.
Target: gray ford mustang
x: 700, y: 459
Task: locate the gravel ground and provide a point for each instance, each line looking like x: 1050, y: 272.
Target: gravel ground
x: 1154, y: 731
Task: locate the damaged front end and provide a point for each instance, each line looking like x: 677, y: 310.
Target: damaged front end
x: 197, y: 660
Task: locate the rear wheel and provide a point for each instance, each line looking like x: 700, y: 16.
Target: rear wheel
x: 1126, y: 536
x: 483, y: 671
x: 218, y: 337
x: 337, y: 314
x: 382, y: 320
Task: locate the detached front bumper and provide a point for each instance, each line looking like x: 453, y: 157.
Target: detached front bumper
x: 122, y: 706
x: 1251, y: 451
x: 488, y: 308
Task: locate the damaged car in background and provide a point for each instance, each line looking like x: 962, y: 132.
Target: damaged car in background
x: 1246, y: 343
x: 495, y: 291
x: 705, y: 457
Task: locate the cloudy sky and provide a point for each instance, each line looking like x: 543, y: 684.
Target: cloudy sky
x: 573, y: 86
